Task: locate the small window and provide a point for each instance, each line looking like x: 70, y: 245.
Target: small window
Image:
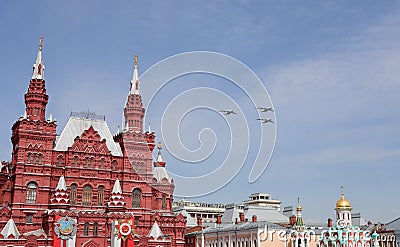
x: 95, y: 229
x: 60, y: 160
x: 102, y: 163
x: 91, y: 162
x: 86, y: 229
x: 29, y: 158
x: 34, y: 158
x: 114, y: 165
x: 29, y: 219
x: 163, y: 203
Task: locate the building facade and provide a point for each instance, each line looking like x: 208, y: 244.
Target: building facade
x: 85, y: 187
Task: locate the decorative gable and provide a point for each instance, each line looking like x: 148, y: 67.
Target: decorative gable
x: 90, y: 142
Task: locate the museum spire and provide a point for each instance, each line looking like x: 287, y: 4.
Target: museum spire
x: 38, y: 67
x: 135, y: 78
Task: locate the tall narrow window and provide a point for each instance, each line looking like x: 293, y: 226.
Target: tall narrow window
x: 31, y: 193
x: 163, y: 203
x: 40, y: 159
x: 29, y: 158
x: 86, y: 229
x: 133, y: 167
x: 86, y: 162
x: 72, y: 196
x: 136, y: 195
x: 102, y: 163
x: 142, y: 167
x: 75, y: 161
x: 91, y: 162
x: 114, y: 165
x: 87, y: 195
x: 95, y: 228
x: 100, y: 196
x: 34, y: 158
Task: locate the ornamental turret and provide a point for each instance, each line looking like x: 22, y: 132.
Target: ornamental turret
x: 36, y: 98
x: 160, y: 173
x: 343, y: 211
x: 60, y: 199
x: 116, y: 201
x: 134, y: 111
x: 299, y: 225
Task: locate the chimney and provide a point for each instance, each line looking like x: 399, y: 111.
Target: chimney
x: 329, y: 222
x: 254, y: 218
x: 292, y: 220
x: 219, y: 219
x: 241, y: 216
x: 199, y: 221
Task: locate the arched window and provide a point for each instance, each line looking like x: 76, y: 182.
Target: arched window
x: 60, y: 160
x: 91, y: 162
x: 34, y: 158
x: 255, y: 242
x: 86, y: 162
x: 87, y: 195
x: 31, y: 193
x: 86, y: 229
x: 136, y: 195
x: 100, y: 196
x: 163, y: 203
x: 102, y: 161
x: 114, y: 165
x: 95, y: 228
x: 72, y: 196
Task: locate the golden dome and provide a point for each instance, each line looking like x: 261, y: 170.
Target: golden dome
x: 343, y: 203
x: 299, y: 208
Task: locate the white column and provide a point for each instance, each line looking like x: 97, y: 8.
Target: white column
x: 115, y: 242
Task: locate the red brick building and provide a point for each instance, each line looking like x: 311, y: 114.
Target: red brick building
x: 85, y: 187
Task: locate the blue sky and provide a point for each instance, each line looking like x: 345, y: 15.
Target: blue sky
x: 331, y: 69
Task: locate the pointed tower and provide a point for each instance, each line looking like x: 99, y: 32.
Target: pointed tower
x: 32, y: 138
x: 150, y: 137
x: 162, y: 183
x: 116, y: 202
x: 36, y: 98
x: 299, y: 225
x: 60, y: 199
x: 343, y: 211
x: 10, y: 229
x: 136, y: 144
x: 134, y: 111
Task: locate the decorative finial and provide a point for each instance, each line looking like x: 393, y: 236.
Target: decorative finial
x: 299, y: 208
x: 159, y: 146
x: 136, y: 59
x: 40, y: 43
x: 342, y: 190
